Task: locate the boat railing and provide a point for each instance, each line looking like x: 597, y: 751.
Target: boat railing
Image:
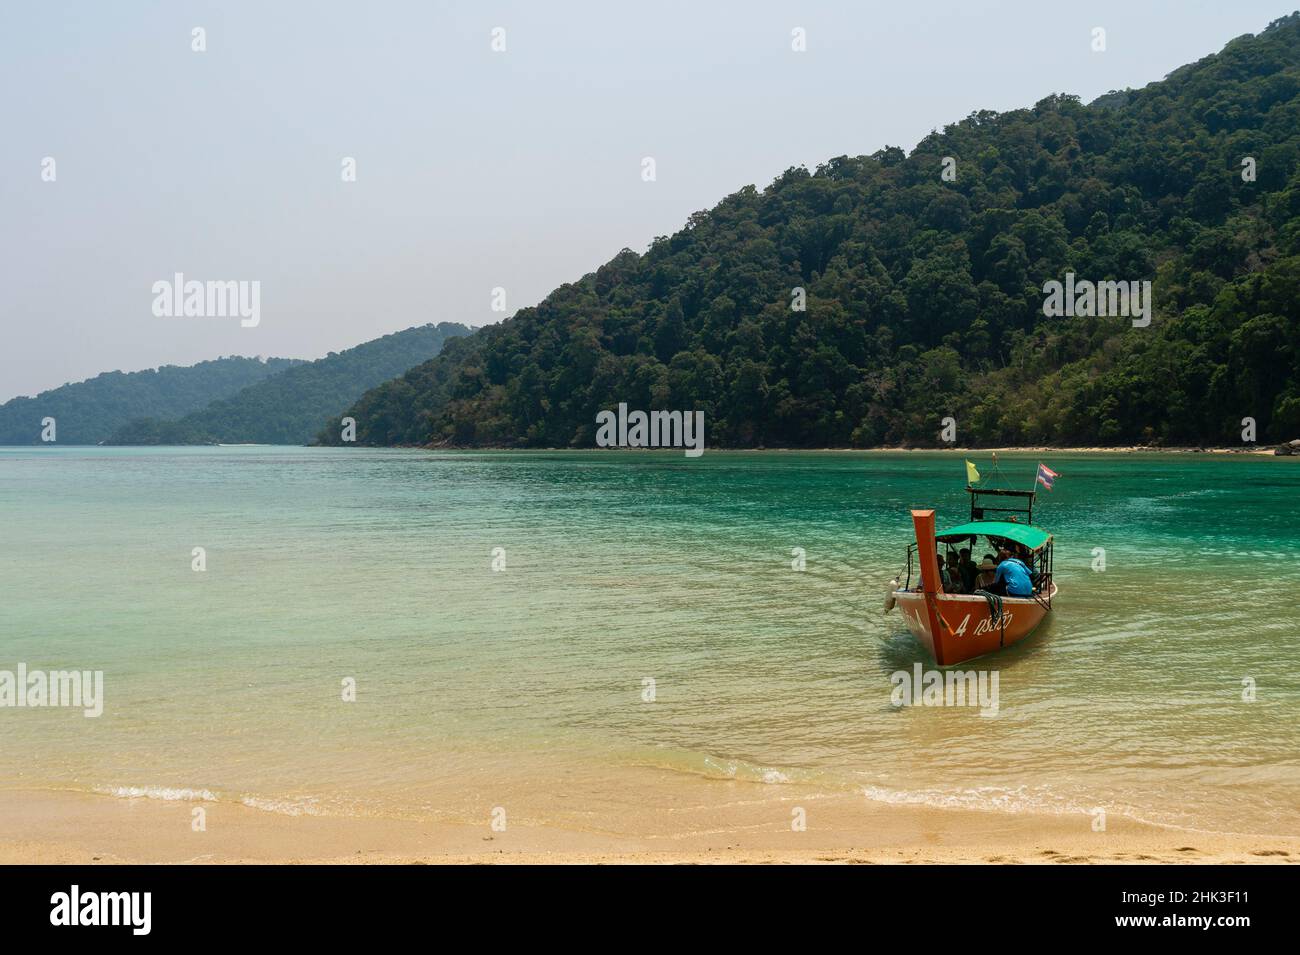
x: 1042, y: 577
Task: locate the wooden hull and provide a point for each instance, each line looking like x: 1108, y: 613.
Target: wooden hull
x: 965, y: 628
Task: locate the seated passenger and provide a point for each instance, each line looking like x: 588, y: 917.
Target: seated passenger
x: 943, y: 576
x: 954, y: 574
x: 987, y: 573
x: 966, y: 567
x: 1012, y: 577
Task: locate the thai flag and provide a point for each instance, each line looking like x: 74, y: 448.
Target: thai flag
x: 1046, y: 476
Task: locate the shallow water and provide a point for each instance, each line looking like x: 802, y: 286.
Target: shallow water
x: 622, y: 567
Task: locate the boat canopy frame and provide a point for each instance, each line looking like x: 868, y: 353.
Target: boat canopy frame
x: 978, y: 509
x: 1034, y: 538
x: 1038, y: 541
x: 1040, y: 575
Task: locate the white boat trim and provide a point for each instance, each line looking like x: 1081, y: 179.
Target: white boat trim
x: 974, y: 597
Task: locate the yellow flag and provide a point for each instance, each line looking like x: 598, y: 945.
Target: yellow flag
x: 972, y: 476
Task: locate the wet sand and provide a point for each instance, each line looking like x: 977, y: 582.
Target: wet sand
x: 77, y: 828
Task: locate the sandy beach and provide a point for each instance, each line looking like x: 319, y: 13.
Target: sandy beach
x: 76, y: 828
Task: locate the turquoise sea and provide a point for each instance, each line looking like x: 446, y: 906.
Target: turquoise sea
x: 620, y: 568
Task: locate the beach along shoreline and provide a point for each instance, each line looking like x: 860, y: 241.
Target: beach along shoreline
x: 78, y: 828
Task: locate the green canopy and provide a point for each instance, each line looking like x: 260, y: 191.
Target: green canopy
x: 1031, y: 537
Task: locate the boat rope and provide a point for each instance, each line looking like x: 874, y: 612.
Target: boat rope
x: 996, y: 617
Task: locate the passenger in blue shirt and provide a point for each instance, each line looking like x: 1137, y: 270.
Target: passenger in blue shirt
x: 1012, y: 577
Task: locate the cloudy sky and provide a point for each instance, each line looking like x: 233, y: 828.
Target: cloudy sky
x: 475, y: 169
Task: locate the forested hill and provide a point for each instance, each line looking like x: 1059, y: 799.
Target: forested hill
x: 87, y: 412
x: 925, y: 297
x: 288, y: 408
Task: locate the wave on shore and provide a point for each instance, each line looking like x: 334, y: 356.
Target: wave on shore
x: 303, y: 806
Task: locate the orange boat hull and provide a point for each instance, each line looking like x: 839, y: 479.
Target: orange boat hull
x: 965, y: 627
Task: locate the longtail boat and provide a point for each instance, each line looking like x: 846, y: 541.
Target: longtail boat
x: 955, y: 627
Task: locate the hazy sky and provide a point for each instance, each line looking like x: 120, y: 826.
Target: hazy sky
x: 475, y: 169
